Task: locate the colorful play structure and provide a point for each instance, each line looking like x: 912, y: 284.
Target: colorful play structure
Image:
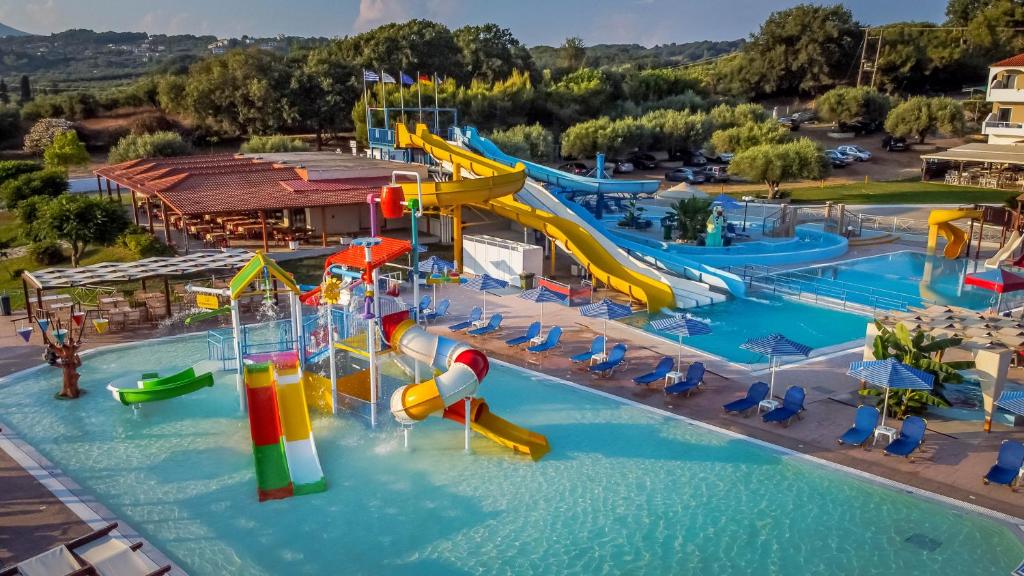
x: 958, y: 240
x: 152, y: 388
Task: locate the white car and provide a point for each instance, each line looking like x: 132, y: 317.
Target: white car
x: 856, y: 152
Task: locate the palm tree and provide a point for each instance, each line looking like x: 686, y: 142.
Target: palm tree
x: 690, y: 216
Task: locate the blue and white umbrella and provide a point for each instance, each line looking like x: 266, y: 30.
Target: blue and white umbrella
x: 726, y: 201
x: 1012, y: 400
x: 891, y: 374
x: 483, y: 283
x: 774, y: 346
x: 681, y: 325
x: 436, y: 263
x: 541, y: 294
x: 606, y: 310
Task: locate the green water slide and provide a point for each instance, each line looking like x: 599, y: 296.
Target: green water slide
x: 153, y: 388
x: 206, y: 314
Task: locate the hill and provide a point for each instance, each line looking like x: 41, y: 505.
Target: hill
x: 7, y: 32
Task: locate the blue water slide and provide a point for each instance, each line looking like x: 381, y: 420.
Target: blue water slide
x: 563, y: 180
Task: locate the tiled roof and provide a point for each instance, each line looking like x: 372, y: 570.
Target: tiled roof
x: 193, y: 185
x: 1017, y: 60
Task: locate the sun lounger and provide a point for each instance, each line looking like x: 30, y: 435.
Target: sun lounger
x: 596, y: 347
x: 424, y: 303
x: 792, y: 406
x: 440, y: 312
x: 474, y: 315
x: 864, y: 423
x: 616, y: 357
x: 551, y: 341
x: 493, y: 325
x: 757, y: 392
x: 531, y: 332
x: 663, y: 367
x: 694, y: 380
x: 97, y: 553
x: 1008, y: 464
x: 911, y: 437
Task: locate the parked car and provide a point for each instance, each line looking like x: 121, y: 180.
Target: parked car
x: 790, y: 122
x: 894, y: 143
x: 836, y: 159
x: 689, y: 157
x: 688, y: 175
x: 721, y: 157
x: 577, y: 168
x: 860, y: 126
x: 619, y: 166
x: 805, y: 116
x: 714, y: 173
x: 643, y: 160
x: 858, y: 153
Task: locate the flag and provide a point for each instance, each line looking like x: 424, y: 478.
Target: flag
x: 424, y: 78
x: 406, y: 80
x: 388, y: 78
x: 370, y: 76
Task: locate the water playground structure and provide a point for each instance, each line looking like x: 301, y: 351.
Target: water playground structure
x: 958, y: 240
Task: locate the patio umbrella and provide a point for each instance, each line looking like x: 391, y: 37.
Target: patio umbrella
x: 726, y: 201
x: 541, y: 294
x: 891, y: 373
x: 606, y: 310
x: 681, y: 325
x: 1012, y: 400
x: 774, y: 346
x: 435, y: 263
x: 483, y: 283
x: 999, y: 280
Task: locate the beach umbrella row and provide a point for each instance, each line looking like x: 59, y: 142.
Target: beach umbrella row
x: 891, y: 374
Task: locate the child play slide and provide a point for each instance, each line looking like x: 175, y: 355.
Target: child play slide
x: 283, y: 447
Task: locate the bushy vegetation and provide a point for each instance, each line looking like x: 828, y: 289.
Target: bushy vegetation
x: 46, y: 253
x: 920, y: 117
x: 846, y: 104
x: 155, y: 145
x: 275, y: 143
x: 65, y: 151
x: 774, y: 164
x: 142, y: 244
x: 532, y: 142
x: 48, y: 183
x: 74, y: 219
x: 43, y: 132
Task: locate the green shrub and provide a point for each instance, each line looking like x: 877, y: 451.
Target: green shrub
x: 274, y: 143
x: 13, y: 168
x: 46, y: 252
x: 531, y: 142
x: 50, y: 183
x: 142, y: 244
x: 155, y: 145
x: 43, y: 132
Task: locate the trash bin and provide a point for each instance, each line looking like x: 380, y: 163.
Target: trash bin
x: 666, y: 231
x: 526, y: 280
x: 5, y: 304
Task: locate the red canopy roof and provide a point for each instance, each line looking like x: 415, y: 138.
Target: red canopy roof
x: 999, y: 280
x: 355, y: 256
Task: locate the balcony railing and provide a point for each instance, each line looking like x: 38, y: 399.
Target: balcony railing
x: 990, y: 124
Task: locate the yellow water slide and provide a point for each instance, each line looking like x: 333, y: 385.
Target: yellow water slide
x: 493, y: 191
x: 939, y: 222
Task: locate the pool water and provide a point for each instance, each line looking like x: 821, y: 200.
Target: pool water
x: 624, y: 490
x: 737, y: 320
x: 896, y: 280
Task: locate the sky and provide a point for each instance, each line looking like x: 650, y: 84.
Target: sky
x: 646, y: 22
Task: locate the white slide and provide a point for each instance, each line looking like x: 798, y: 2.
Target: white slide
x: 1003, y: 253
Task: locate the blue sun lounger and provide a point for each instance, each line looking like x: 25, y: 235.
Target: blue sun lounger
x: 694, y: 380
x: 864, y: 423
x: 552, y: 340
x: 596, y: 347
x: 474, y: 315
x: 493, y: 325
x: 664, y: 367
x: 531, y: 332
x: 910, y: 439
x: 424, y: 302
x: 615, y: 358
x: 758, y: 391
x: 792, y: 406
x: 1008, y: 464
x: 439, y: 312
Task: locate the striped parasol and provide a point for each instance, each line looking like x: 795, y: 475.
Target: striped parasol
x: 542, y: 294
x: 891, y: 373
x: 774, y: 346
x: 682, y: 326
x: 483, y: 283
x: 606, y: 310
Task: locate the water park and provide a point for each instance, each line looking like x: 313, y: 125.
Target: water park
x: 570, y: 387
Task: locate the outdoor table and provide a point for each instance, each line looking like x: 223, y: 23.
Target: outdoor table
x: 479, y: 323
x: 536, y: 340
x: 674, y: 377
x: 598, y: 358
x: 886, y: 431
x: 767, y: 405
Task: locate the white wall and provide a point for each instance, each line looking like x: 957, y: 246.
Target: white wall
x: 500, y: 258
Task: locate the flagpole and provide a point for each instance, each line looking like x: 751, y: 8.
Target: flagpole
x: 401, y: 92
x: 384, y: 99
x: 419, y: 96
x: 436, y: 110
x: 366, y: 107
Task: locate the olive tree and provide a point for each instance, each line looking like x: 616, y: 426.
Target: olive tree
x: 773, y: 164
x: 920, y: 117
x: 79, y: 221
x: 846, y: 104
x: 740, y: 138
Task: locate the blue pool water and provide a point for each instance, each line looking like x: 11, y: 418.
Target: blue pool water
x: 895, y: 280
x: 624, y: 490
x: 737, y: 320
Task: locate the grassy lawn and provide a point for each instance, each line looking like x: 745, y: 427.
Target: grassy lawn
x: 902, y: 192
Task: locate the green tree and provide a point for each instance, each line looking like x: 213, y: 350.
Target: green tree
x: 10, y: 122
x: 25, y: 89
x: 585, y: 93
x: 961, y: 12
x: 65, y: 151
x: 41, y: 183
x: 690, y: 217
x: 322, y: 91
x: 846, y: 104
x: 415, y: 45
x: 740, y: 138
x: 490, y: 52
x: 777, y: 163
x: 275, y: 143
x: 43, y: 132
x: 80, y: 221
x: 724, y: 116
x: 533, y: 142
x: 5, y: 96
x: 920, y: 117
x: 13, y: 168
x: 613, y: 137
x: 801, y: 50
x: 674, y: 130
x: 573, y: 52
x: 155, y: 145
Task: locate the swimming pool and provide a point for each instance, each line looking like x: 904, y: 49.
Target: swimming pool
x: 737, y: 320
x: 894, y: 280
x: 625, y: 490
